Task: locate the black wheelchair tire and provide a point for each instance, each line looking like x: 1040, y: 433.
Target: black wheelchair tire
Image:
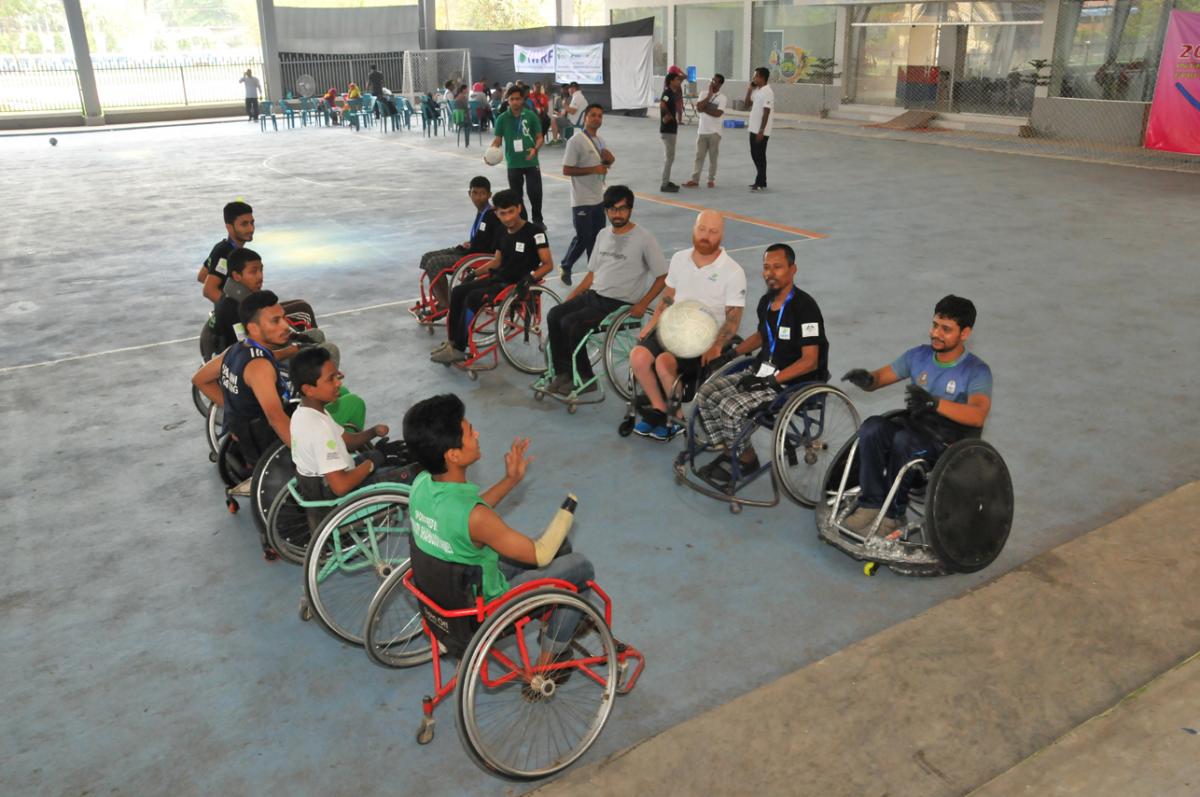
x: 969, y: 506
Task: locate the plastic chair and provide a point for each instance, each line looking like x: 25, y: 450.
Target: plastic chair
x: 462, y: 125
x: 308, y: 111
x: 431, y: 117
x: 353, y: 112
x: 403, y: 114
x: 289, y: 113
x: 367, y: 112
x: 267, y: 111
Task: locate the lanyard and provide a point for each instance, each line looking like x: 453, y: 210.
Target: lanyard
x: 283, y: 386
x: 778, y: 321
x: 479, y: 218
x: 598, y: 147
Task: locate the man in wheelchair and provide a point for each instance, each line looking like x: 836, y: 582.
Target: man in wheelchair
x: 623, y: 257
x: 245, y: 276
x: 792, y: 348
x: 705, y: 273
x: 948, y: 399
x: 485, y: 235
x: 452, y: 520
x: 522, y: 257
x: 239, y: 229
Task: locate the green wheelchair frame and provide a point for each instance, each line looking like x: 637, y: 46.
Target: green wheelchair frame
x: 614, y: 327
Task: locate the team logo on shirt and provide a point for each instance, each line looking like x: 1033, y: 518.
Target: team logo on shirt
x: 519, y: 246
x: 810, y: 330
x: 330, y: 445
x: 539, y: 239
x: 950, y: 386
x: 785, y: 333
x: 222, y: 267
x: 923, y: 379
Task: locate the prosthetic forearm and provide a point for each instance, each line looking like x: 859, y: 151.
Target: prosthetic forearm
x: 547, y: 545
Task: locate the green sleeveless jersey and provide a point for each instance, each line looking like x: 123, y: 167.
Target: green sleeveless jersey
x: 439, y: 513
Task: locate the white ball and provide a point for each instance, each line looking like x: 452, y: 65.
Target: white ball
x: 687, y: 329
x: 493, y: 155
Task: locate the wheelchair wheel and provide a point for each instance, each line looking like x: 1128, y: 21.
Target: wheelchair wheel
x: 287, y: 528
x: 212, y: 430
x: 272, y: 473
x: 201, y: 401
x: 527, y: 727
x: 394, y: 635
x: 522, y: 328
x: 618, y: 342
x: 231, y: 465
x: 969, y: 506
x: 835, y: 469
x: 358, y: 545
x: 809, y: 431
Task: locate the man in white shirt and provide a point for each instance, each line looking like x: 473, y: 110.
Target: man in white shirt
x: 761, y: 100
x: 577, y: 105
x: 703, y: 273
x: 708, y: 133
x: 253, y: 91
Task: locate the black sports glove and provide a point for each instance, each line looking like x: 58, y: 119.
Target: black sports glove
x: 470, y: 275
x: 376, y: 456
x: 859, y: 377
x: 919, y: 400
x: 524, y: 284
x: 302, y: 338
x: 753, y: 382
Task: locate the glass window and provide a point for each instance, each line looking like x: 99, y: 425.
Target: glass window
x: 343, y: 3
x: 1109, y: 50
x: 795, y: 42
x: 709, y: 37
x: 660, y: 30
x: 490, y: 15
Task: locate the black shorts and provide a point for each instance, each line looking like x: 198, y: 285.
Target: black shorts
x: 689, y: 368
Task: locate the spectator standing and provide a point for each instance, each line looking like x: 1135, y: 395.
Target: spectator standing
x: 518, y: 127
x: 586, y: 162
x: 761, y: 99
x: 711, y: 108
x: 253, y: 92
x: 669, y: 106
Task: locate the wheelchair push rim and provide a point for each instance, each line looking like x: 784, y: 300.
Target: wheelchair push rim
x: 288, y: 533
x: 522, y: 329
x: 810, y: 431
x: 356, y: 548
x: 618, y: 343
x: 513, y: 717
x: 271, y: 476
x: 394, y: 635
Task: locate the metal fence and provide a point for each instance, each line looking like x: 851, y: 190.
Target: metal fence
x: 338, y: 71
x: 32, y: 88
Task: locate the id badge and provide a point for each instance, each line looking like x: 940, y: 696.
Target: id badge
x: 766, y: 369
x: 518, y: 145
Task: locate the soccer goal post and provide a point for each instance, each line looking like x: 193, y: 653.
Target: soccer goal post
x: 428, y: 70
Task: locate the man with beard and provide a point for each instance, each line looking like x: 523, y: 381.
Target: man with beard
x: 623, y: 257
x: 791, y: 348
x: 703, y: 273
x: 948, y: 398
x: 239, y: 231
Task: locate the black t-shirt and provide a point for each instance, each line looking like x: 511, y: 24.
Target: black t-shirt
x: 519, y: 252
x: 225, y: 315
x: 218, y: 260
x: 801, y: 325
x: 489, y: 234
x: 672, y: 99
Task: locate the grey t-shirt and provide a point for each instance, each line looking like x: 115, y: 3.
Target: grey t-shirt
x: 624, y: 265
x: 587, y: 189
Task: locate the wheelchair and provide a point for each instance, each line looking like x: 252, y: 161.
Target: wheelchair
x: 609, y: 342
x: 960, y: 511
x: 208, y: 346
x: 515, y: 717
x: 426, y: 310
x: 803, y: 427
x: 362, y: 541
x: 513, y: 325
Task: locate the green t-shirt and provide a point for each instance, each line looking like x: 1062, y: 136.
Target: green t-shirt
x: 439, y: 513
x: 523, y: 132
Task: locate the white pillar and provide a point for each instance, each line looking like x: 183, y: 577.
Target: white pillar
x: 268, y: 32
x: 92, y: 113
x: 747, y: 37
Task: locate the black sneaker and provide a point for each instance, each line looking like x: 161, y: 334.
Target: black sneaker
x: 669, y: 188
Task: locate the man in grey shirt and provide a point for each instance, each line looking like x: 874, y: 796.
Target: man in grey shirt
x: 253, y: 90
x: 623, y: 257
x: 586, y: 162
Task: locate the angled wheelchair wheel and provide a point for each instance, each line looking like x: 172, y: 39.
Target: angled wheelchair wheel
x: 969, y: 506
x: 358, y: 545
x: 526, y: 721
x: 620, y: 339
x: 394, y: 635
x: 809, y: 431
x: 837, y: 467
x: 522, y: 329
x: 287, y: 528
x: 231, y: 464
x: 212, y: 430
x: 272, y: 473
x: 200, y: 401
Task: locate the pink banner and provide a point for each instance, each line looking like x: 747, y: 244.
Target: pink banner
x: 1175, y: 113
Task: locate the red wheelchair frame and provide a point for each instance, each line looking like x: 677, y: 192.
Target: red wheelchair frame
x: 426, y: 310
x: 486, y: 326
x: 525, y: 669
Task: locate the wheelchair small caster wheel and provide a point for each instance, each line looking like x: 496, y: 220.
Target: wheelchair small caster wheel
x: 270, y: 555
x: 626, y: 427
x: 231, y: 505
x: 622, y: 672
x: 429, y: 329
x: 571, y: 408
x: 735, y: 508
x: 473, y: 376
x: 425, y: 731
x: 810, y: 458
x: 212, y: 456
x: 305, y: 611
x: 870, y: 568
x: 538, y: 395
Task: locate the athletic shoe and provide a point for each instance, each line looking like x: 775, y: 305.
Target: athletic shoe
x: 712, y: 183
x: 758, y: 188
x: 643, y: 428
x: 666, y: 433
x: 560, y: 384
x: 448, y: 355
x: 669, y: 188
x: 861, y: 519
x: 566, y: 276
x: 691, y: 184
x: 591, y: 387
x: 443, y: 345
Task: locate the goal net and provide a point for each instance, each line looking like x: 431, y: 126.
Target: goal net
x: 428, y: 70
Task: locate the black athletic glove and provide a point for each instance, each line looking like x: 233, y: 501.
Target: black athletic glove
x: 753, y: 382
x: 376, y: 456
x: 859, y: 377
x: 469, y: 275
x: 523, y: 285
x: 919, y: 400
x: 302, y: 338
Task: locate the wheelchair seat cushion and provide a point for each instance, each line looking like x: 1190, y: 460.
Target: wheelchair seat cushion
x: 451, y: 586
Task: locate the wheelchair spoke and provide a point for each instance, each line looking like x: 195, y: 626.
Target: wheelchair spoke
x: 809, y: 432
x: 523, y: 337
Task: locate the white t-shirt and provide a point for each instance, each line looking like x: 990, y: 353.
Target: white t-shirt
x: 712, y: 124
x: 578, y: 103
x: 762, y: 97
x: 317, y: 445
x: 720, y: 284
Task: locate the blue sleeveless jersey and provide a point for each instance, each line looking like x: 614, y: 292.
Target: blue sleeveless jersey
x: 240, y: 402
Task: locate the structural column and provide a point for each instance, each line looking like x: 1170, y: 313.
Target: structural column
x: 92, y: 113
x: 268, y: 32
x: 427, y: 14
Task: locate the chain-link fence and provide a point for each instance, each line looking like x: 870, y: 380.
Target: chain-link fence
x: 338, y: 71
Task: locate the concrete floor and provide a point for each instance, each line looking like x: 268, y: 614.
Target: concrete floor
x: 150, y: 649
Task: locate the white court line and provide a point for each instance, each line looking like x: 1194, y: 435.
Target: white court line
x: 76, y: 357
